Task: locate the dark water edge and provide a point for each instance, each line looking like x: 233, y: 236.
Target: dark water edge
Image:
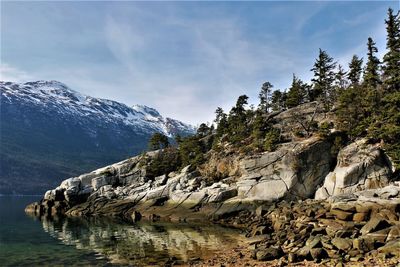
x: 23, y: 242
x: 26, y: 241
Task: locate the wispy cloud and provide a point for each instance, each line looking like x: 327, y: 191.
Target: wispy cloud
x: 184, y: 59
x: 222, y: 61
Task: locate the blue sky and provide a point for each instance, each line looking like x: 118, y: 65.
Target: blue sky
x: 182, y: 58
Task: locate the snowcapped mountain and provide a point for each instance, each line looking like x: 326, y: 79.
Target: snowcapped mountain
x: 50, y: 132
x: 56, y: 96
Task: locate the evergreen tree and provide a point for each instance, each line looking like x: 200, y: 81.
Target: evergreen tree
x: 297, y: 93
x: 192, y: 151
x: 340, y: 78
x: 265, y: 96
x: 222, y: 121
x: 203, y: 130
x: 386, y: 123
x: 237, y: 120
x: 239, y: 109
x: 386, y: 126
x: 219, y: 112
x: 324, y: 75
x: 351, y: 111
x: 259, y: 130
x: 391, y: 60
x: 372, y: 95
x: 278, y: 100
x: 371, y: 72
x: 340, y: 82
x: 158, y: 141
x: 355, y: 69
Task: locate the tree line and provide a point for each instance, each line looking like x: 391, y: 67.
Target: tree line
x: 365, y: 99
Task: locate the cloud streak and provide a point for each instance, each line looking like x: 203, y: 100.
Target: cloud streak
x: 184, y: 59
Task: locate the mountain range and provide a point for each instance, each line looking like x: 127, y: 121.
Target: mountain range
x: 50, y: 132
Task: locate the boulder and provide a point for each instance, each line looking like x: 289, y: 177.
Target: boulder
x: 55, y: 194
x: 293, y: 171
x: 102, y: 181
x: 360, y: 166
x: 391, y: 248
x: 221, y: 194
x: 86, y: 179
x: 364, y: 244
x: 394, y: 233
x: 161, y: 180
x: 157, y: 192
x: 268, y: 254
x: 342, y: 243
x: 318, y: 254
x: 74, y: 182
x: 374, y: 224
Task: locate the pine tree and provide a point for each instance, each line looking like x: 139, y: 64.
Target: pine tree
x: 239, y: 109
x: 278, y: 100
x: 203, y: 130
x: 371, y: 94
x: 297, y: 93
x: 237, y: 120
x: 351, y: 111
x: 386, y: 124
x: 265, y: 96
x: 355, y: 69
x: 340, y: 82
x: 391, y: 60
x: 259, y: 129
x: 340, y: 78
x: 324, y: 75
x: 371, y: 72
x: 222, y: 121
x: 158, y: 141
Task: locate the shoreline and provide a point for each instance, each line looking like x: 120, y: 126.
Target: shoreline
x: 346, y: 232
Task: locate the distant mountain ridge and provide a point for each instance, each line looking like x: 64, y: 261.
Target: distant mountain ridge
x: 65, y: 101
x: 49, y: 130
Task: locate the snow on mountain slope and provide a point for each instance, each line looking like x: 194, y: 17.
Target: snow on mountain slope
x: 58, y: 98
x: 49, y: 132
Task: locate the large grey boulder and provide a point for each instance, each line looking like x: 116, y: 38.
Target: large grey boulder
x: 103, y: 180
x: 360, y: 166
x: 291, y: 172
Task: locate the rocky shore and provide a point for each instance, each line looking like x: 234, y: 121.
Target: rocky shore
x: 308, y: 202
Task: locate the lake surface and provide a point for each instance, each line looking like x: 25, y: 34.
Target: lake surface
x: 26, y: 241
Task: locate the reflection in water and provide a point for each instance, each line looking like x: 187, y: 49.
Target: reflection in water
x: 143, y: 243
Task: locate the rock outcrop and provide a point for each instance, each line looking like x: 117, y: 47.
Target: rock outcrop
x: 360, y: 166
x: 291, y: 172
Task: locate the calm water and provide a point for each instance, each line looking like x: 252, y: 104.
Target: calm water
x: 25, y: 241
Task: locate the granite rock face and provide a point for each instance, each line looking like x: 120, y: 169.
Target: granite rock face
x: 291, y: 172
x: 360, y: 166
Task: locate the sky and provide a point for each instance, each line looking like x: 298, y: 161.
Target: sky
x: 183, y: 58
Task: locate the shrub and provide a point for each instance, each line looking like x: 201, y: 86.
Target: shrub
x: 272, y: 139
x: 164, y: 162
